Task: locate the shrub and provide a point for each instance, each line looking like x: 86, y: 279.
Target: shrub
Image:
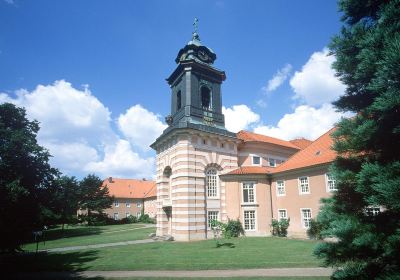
x: 279, y: 228
x: 233, y: 228
x: 314, y: 232
x: 145, y: 218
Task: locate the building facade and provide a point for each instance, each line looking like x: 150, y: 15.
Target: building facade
x: 205, y: 172
x: 131, y: 198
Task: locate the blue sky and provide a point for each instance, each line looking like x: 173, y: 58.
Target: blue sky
x: 93, y: 72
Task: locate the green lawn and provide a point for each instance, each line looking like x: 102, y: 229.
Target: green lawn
x: 89, y: 235
x: 249, y: 252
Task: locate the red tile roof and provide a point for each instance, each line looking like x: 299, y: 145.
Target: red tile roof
x: 250, y: 170
x: 131, y: 188
x: 301, y: 142
x: 318, y: 152
x: 248, y: 136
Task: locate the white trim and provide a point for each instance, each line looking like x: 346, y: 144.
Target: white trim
x: 255, y: 220
x: 255, y: 164
x: 301, y: 217
x: 286, y: 213
x: 217, y: 184
x: 299, y: 185
x: 277, y: 188
x: 218, y: 217
x: 254, y: 192
x: 326, y: 183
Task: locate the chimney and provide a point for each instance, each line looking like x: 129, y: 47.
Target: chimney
x: 110, y: 179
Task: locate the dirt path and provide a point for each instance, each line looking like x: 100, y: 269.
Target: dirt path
x: 277, y: 272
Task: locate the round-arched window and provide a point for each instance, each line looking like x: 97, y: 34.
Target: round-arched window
x: 205, y: 98
x: 212, y: 182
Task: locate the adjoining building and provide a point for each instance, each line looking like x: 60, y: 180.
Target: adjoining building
x: 205, y: 172
x: 132, y: 197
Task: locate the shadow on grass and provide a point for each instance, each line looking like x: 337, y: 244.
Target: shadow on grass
x: 69, y: 232
x: 46, y: 265
x: 226, y: 244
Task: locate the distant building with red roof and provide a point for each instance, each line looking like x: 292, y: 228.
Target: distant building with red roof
x: 131, y: 197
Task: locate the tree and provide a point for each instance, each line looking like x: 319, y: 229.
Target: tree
x: 25, y: 177
x: 66, y: 199
x: 367, y: 167
x: 94, y: 196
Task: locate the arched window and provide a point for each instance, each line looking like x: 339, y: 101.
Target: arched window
x: 167, y: 172
x: 178, y: 100
x: 205, y: 98
x: 212, y: 182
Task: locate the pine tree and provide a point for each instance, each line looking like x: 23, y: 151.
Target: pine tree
x: 367, y: 168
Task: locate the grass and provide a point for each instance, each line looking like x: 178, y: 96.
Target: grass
x: 249, y: 252
x: 89, y: 235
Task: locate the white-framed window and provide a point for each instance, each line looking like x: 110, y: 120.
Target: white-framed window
x: 304, y: 186
x: 255, y: 160
x: 249, y: 192
x: 282, y: 214
x: 116, y: 216
x: 272, y: 162
x: 127, y: 214
x: 116, y: 203
x: 280, y: 188
x: 212, y: 216
x: 212, y: 183
x: 138, y: 214
x: 305, y: 217
x: 138, y: 204
x: 372, y: 211
x: 249, y: 219
x: 128, y: 204
x: 330, y: 183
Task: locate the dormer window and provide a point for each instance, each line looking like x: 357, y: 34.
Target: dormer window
x: 178, y: 100
x: 256, y: 160
x: 272, y: 162
x: 205, y: 98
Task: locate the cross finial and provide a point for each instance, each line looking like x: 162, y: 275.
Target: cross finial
x: 195, y: 24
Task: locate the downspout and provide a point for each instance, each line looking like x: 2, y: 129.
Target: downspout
x: 270, y: 194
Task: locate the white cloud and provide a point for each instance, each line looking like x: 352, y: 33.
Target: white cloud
x: 316, y: 83
x: 120, y: 161
x: 140, y: 126
x: 239, y: 117
x: 76, y: 128
x: 305, y: 121
x: 279, y: 77
x: 261, y: 103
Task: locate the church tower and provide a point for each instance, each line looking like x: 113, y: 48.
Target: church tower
x: 194, y: 149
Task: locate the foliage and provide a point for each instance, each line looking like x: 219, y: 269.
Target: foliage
x: 65, y: 199
x: 94, y: 196
x: 25, y: 177
x: 315, y: 230
x: 145, y: 218
x: 279, y: 228
x: 129, y: 220
x: 367, y: 168
x: 233, y: 228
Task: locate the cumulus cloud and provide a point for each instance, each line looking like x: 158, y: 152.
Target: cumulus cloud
x: 305, y: 121
x: 279, y: 77
x: 140, y: 126
x: 239, y: 117
x: 316, y: 83
x: 119, y: 161
x: 76, y: 128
